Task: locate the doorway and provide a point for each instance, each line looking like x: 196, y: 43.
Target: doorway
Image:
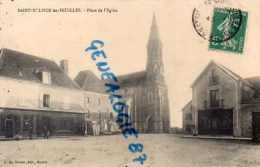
x: 150, y: 124
x: 46, y: 121
x: 9, y: 127
x: 256, y: 125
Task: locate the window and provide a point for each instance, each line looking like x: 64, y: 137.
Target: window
x: 213, y: 79
x: 2, y: 122
x: 67, y: 103
x: 188, y: 116
x: 98, y: 101
x: 17, y: 123
x: 214, y: 98
x: 46, y: 100
x: 87, y: 99
x: 46, y: 77
x: 64, y: 124
x: 27, y: 121
x: 111, y: 116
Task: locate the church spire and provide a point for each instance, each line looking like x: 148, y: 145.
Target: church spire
x: 154, y: 66
x: 154, y: 37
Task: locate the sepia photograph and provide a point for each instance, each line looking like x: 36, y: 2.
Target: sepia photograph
x: 126, y: 83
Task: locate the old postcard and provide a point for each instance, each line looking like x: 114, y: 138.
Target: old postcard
x: 113, y: 83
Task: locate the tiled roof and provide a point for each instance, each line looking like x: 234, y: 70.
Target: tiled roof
x: 90, y: 82
x: 23, y: 66
x: 132, y: 79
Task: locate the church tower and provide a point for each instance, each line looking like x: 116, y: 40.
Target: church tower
x: 154, y: 66
x: 158, y: 114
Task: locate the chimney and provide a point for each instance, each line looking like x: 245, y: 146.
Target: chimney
x: 64, y: 65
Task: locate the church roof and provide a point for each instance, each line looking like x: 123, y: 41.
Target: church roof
x: 23, y: 66
x: 132, y: 79
x: 154, y: 37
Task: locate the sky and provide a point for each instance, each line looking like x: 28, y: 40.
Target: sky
x: 64, y: 35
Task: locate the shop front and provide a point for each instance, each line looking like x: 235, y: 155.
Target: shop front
x: 16, y: 123
x: 215, y: 122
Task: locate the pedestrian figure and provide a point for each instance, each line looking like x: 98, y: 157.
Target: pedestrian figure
x: 45, y: 132
x: 31, y: 131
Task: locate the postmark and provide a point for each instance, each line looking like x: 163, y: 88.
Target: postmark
x: 228, y: 30
x: 202, y: 17
x: 224, y: 27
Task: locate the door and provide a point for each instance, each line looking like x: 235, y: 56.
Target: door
x: 46, y: 121
x: 256, y: 124
x: 150, y: 123
x: 9, y: 128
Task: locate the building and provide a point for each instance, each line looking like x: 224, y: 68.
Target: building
x: 37, y: 92
x: 144, y: 92
x: 187, y: 122
x: 99, y: 114
x: 223, y: 103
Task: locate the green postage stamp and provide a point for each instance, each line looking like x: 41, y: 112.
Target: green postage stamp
x: 228, y: 30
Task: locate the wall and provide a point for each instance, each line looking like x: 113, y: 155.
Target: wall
x: 229, y: 91
x: 246, y: 120
x: 187, y: 110
x: 29, y: 95
x: 95, y: 103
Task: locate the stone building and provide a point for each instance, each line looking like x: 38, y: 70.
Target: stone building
x: 37, y: 92
x: 98, y: 111
x: 223, y: 103
x: 144, y: 92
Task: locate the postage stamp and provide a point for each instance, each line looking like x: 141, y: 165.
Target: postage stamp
x: 228, y: 30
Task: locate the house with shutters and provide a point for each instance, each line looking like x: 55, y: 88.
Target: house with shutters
x: 37, y: 92
x: 223, y: 103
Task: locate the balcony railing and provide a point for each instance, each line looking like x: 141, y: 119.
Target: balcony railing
x: 217, y: 104
x: 213, y: 80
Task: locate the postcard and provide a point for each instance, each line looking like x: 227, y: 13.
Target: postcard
x: 113, y: 83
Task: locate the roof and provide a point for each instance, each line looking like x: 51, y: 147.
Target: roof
x: 226, y: 70
x: 23, y: 66
x: 187, y: 106
x: 90, y: 82
x: 132, y: 79
x: 255, y: 81
x: 154, y: 37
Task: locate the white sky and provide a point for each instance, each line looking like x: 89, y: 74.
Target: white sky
x: 125, y: 33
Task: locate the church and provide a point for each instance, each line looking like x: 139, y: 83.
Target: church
x: 144, y: 92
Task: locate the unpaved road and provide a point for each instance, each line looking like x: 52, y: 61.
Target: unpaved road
x: 111, y: 151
